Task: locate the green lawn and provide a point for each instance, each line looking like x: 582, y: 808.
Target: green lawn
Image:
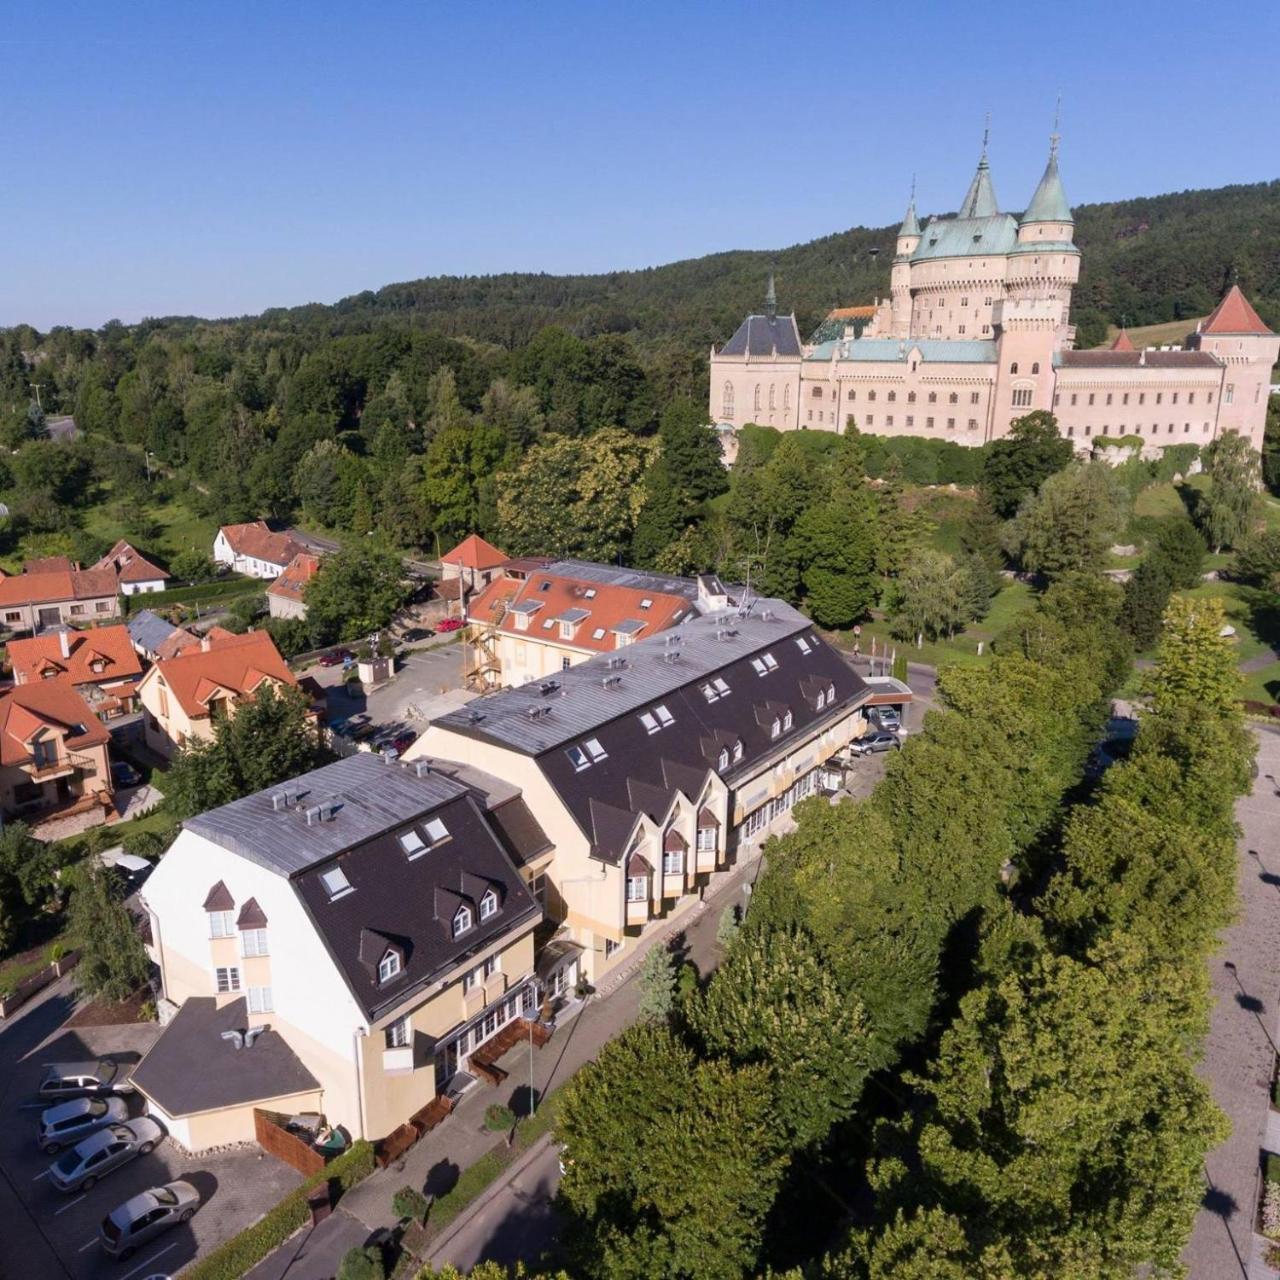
x: 1255, y: 615
x: 180, y: 528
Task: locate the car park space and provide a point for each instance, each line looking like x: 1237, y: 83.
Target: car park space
x: 235, y: 1186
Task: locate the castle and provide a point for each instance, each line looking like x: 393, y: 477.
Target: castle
x: 976, y: 333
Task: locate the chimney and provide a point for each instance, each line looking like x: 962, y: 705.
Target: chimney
x: 64, y: 642
x: 205, y: 644
x: 251, y: 1035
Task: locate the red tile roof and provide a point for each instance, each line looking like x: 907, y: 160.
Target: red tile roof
x: 238, y: 664
x: 256, y: 540
x: 1123, y: 342
x: 605, y: 607
x: 49, y: 704
x: 1234, y: 314
x: 130, y: 565
x: 297, y: 573
x: 473, y: 552
x: 40, y: 658
x: 43, y: 588
x: 49, y: 564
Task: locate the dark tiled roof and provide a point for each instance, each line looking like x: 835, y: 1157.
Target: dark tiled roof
x: 1137, y: 360
x: 518, y: 830
x: 764, y: 336
x: 192, y: 1069
x: 251, y: 916
x: 219, y: 898
x: 409, y: 903
x: 149, y: 630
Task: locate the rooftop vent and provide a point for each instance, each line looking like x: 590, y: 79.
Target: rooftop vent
x: 726, y: 633
x: 474, y: 717
x: 548, y: 687
x: 236, y: 1038
x: 537, y: 712
x: 610, y: 681
x: 421, y: 768
x: 286, y: 798
x: 323, y: 812
x: 616, y: 663
x: 251, y: 1035
x: 671, y: 639
x: 766, y: 615
x: 671, y: 655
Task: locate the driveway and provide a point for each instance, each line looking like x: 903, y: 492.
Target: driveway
x: 422, y: 677
x: 56, y: 1235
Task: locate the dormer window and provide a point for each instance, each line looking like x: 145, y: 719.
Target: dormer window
x: 786, y: 721
x: 724, y: 758
x: 97, y: 666
x: 737, y: 750
x: 646, y: 603
x: 775, y: 728
x: 488, y: 905
x: 412, y: 843
x: 222, y: 924
x: 389, y: 965
x: 462, y: 921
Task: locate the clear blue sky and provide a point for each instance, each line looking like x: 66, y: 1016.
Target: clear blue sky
x: 219, y: 158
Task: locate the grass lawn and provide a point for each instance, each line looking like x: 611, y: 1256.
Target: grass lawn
x: 180, y: 528
x: 1255, y: 615
x: 1155, y: 335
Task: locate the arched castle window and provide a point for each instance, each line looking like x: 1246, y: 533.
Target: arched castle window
x: 726, y: 402
x: 757, y: 398
x: 1035, y: 368
x: 1013, y: 368
x: 871, y: 395
x: 772, y: 396
x: 786, y: 398
x: 893, y: 395
x: 911, y: 397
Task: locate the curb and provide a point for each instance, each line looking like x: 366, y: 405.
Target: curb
x: 486, y: 1197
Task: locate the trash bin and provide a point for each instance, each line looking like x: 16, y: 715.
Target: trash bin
x: 319, y: 1204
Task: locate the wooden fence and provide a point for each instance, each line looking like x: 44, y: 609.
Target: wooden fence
x: 276, y: 1140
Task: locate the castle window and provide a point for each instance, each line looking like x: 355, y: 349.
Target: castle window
x: 1186, y: 428
x: 1210, y: 401
x: 870, y: 419
x: 893, y: 395
x: 911, y: 397
x: 1088, y: 431
x: 1191, y: 397
x: 1159, y: 397
x: 871, y: 395
x: 1071, y: 431
x: 1056, y: 398
x: 1073, y: 397
x: 1013, y: 368
x: 986, y: 328
x: 726, y: 401
x: 933, y: 397
x: 928, y: 422
x: 1171, y: 427
x: 964, y: 302
x: 1175, y: 398
x: 1108, y: 397
x: 953, y: 398
x: 951, y: 424
x: 819, y: 415
x: 986, y: 302
x: 1142, y: 397
x: 786, y: 399
x: 1125, y: 398
x: 962, y: 328
x: 911, y: 422
x: 1106, y: 429
x: 973, y: 424
x: 757, y: 398
x: 1022, y: 397
x: 773, y: 396
x: 1035, y: 368
x: 974, y: 397
x: 888, y: 422
x: 852, y: 395
x: 817, y: 393
x: 810, y: 415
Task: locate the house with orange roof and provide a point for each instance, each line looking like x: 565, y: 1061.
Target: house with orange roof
x: 180, y: 695
x: 135, y: 574
x: 254, y: 549
x: 473, y: 562
x: 57, y: 597
x: 284, y: 595
x: 101, y: 663
x: 53, y: 752
x: 541, y: 618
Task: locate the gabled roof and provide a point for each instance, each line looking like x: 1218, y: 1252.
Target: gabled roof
x: 1122, y: 359
x: 1234, y: 314
x: 910, y: 224
x: 764, y: 336
x: 473, y: 552
x: 255, y: 539
x: 148, y: 630
x: 61, y: 584
x: 237, y: 664
x: 297, y: 573
x: 53, y: 704
x: 34, y: 658
x: 49, y: 564
x: 130, y: 565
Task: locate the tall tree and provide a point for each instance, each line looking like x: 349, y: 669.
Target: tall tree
x: 1019, y: 463
x: 113, y: 963
x: 691, y: 451
x: 930, y: 598
x: 357, y: 591
x: 1069, y: 524
x: 1226, y: 510
x: 1195, y: 663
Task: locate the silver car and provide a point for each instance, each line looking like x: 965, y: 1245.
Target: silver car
x: 68, y: 1122
x: 103, y: 1151
x: 84, y: 1079
x: 146, y: 1215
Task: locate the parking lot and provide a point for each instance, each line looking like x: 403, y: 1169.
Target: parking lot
x: 56, y: 1234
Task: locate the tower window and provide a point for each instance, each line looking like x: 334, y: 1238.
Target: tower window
x: 1035, y: 368
x: 1013, y: 368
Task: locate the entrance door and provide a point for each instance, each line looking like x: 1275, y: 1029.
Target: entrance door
x: 446, y: 1065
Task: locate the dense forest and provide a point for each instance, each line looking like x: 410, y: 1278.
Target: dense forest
x: 414, y: 410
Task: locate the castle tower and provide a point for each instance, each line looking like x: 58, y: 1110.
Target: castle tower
x: 900, y: 275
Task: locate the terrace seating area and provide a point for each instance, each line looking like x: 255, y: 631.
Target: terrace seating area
x: 484, y: 1062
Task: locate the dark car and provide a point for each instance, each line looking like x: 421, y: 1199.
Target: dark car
x: 874, y: 743
x: 416, y: 634
x: 124, y: 774
x: 84, y: 1079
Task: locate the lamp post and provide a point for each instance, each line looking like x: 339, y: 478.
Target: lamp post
x: 533, y: 1097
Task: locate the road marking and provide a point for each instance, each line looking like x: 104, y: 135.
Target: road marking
x: 71, y: 1204
x: 90, y: 1245
x: 142, y: 1266
x: 38, y: 1176
x: 36, y: 1106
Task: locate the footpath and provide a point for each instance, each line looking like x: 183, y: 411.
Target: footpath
x: 435, y: 1163
x: 1240, y: 1051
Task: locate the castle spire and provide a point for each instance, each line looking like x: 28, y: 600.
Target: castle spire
x: 1049, y: 204
x: 771, y: 300
x: 980, y: 199
x: 911, y: 224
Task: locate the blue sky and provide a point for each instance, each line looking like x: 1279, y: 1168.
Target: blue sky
x: 216, y: 159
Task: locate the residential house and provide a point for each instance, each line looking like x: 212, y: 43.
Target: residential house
x: 57, y: 597
x: 285, y: 594
x: 101, y: 663
x: 473, y: 562
x: 179, y: 695
x: 135, y: 574
x: 53, y: 752
x: 651, y: 768
x: 364, y: 924
x: 254, y: 549
x: 541, y: 618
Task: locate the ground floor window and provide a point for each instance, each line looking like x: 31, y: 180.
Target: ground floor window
x: 611, y: 948
x: 228, y: 979
x: 760, y: 818
x: 637, y: 888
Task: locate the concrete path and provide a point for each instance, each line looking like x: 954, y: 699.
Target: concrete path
x: 1240, y: 1049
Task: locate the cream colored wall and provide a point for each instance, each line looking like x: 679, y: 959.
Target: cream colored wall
x: 208, y: 1129
x: 175, y: 725
x: 285, y: 607
x: 1194, y: 416
x: 745, y: 376
x: 69, y: 611
x: 1248, y: 359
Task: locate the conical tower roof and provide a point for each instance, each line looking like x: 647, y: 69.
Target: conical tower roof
x: 980, y: 199
x: 1049, y: 204
x: 1123, y: 342
x: 910, y: 224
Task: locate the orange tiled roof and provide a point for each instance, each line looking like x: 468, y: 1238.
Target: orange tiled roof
x: 1123, y: 342
x: 473, y: 552
x: 297, y: 573
x: 49, y: 564
x: 130, y: 565
x: 49, y: 704
x: 44, y: 588
x: 1234, y: 314
x: 238, y: 664
x: 40, y: 657
x: 605, y: 605
x: 851, y: 313
x: 256, y: 540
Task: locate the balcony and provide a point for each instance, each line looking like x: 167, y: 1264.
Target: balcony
x: 62, y: 767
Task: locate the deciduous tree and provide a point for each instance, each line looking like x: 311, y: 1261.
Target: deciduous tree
x: 1019, y: 463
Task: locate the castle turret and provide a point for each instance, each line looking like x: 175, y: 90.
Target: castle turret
x: 980, y: 200
x: 1048, y: 216
x: 900, y: 275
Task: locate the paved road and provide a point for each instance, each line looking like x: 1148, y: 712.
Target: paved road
x: 1239, y: 1050
x: 423, y: 675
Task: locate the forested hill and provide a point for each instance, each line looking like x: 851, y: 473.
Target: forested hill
x: 1145, y: 261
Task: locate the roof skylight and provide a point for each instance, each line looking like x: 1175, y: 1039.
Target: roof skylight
x: 335, y: 883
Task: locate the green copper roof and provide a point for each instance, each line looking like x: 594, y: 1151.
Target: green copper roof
x: 1045, y: 246
x: 980, y: 199
x: 896, y: 350
x: 967, y: 237
x: 1049, y: 204
x: 910, y: 224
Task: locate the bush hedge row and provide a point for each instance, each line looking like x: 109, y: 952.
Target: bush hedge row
x: 231, y: 1260
x: 222, y: 589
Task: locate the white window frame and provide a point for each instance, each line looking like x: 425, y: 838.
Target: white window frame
x: 491, y: 966
x: 488, y: 905
x: 470, y: 980
x: 389, y: 966
x: 261, y: 1000
x: 222, y: 924
x: 336, y: 891
x: 724, y: 758
x: 737, y: 750
x: 396, y: 1034
x: 637, y: 888
x: 707, y: 840
x: 463, y: 920
x: 436, y: 831
x: 227, y: 979
x: 673, y: 862
x: 253, y: 942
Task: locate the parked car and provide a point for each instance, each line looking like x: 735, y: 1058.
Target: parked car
x: 84, y: 1079
x: 146, y: 1215
x: 68, y: 1122
x: 886, y: 718
x: 350, y: 726
x: 415, y: 634
x: 336, y: 657
x: 874, y: 743
x: 123, y: 774
x: 404, y: 740
x: 82, y: 1166
x: 448, y: 624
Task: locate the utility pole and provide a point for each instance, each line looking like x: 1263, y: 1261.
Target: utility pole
x: 35, y: 386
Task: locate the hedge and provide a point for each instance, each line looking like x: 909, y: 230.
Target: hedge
x: 232, y: 1259
x: 219, y: 589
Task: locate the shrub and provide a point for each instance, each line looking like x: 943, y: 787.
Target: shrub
x: 728, y: 927
x: 408, y: 1203
x: 362, y: 1263
x: 498, y: 1118
x: 232, y: 1259
x: 1271, y: 1209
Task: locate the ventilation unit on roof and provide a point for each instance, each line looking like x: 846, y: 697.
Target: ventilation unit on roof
x: 766, y: 615
x: 251, y: 1035
x: 537, y: 713
x: 548, y: 687
x: 286, y: 798
x: 726, y: 633
x: 671, y: 639
x: 474, y: 717
x: 324, y: 812
x: 616, y: 663
x: 610, y: 681
x: 421, y: 768
x: 671, y: 655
